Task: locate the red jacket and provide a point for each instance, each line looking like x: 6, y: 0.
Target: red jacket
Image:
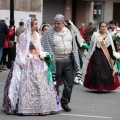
x: 11, y: 32
x: 82, y: 32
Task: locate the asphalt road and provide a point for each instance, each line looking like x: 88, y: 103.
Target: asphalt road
x: 85, y: 104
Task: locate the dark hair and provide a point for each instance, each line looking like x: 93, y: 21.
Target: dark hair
x: 67, y: 22
x: 32, y: 21
x: 113, y: 22
x: 44, y: 26
x: 90, y: 24
x: 21, y: 23
x: 2, y: 21
x: 101, y: 23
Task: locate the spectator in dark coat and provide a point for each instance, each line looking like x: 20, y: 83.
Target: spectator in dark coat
x: 3, y: 62
x: 3, y: 32
x: 19, y: 30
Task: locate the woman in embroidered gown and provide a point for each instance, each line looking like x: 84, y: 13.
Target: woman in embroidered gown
x: 27, y: 90
x: 99, y: 71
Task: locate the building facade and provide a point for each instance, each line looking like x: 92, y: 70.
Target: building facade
x: 23, y: 9
x: 79, y: 11
x: 106, y: 10
x: 82, y: 11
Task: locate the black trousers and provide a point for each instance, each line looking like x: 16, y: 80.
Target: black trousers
x: 65, y: 71
x: 4, y: 55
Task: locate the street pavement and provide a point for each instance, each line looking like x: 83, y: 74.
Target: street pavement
x: 85, y: 104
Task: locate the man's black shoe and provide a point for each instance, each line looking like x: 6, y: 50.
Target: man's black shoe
x: 66, y: 108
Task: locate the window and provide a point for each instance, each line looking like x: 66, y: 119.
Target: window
x: 98, y: 13
x: 33, y: 16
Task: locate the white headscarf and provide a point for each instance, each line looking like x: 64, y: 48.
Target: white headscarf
x: 45, y: 24
x: 27, y: 32
x: 13, y: 92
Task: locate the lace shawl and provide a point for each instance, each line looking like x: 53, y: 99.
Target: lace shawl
x: 22, y: 49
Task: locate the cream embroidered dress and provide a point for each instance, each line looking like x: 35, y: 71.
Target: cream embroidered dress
x: 26, y: 90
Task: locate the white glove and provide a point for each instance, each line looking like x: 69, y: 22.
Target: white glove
x: 116, y: 55
x: 79, y: 77
x: 53, y: 78
x: 42, y: 55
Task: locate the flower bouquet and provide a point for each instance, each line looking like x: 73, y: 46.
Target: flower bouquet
x: 115, y: 36
x: 48, y: 59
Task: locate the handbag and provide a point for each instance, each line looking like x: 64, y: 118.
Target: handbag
x: 11, y: 44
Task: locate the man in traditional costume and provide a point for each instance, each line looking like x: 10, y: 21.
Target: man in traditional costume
x: 60, y: 41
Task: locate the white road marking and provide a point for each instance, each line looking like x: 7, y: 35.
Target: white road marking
x: 90, y: 116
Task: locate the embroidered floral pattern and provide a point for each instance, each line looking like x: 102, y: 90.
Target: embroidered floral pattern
x: 35, y: 95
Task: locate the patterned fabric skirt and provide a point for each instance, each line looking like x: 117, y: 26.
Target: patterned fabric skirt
x: 99, y: 74
x: 36, y: 97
